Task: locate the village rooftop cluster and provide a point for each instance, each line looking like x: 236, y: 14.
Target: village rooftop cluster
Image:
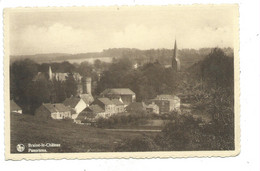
x: 84, y: 108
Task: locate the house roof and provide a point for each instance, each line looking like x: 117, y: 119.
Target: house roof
x: 14, y: 106
x: 95, y: 109
x: 72, y: 101
x: 87, y: 98
x: 56, y: 107
x: 83, y: 115
x: 118, y: 91
x: 117, y: 102
x: 105, y: 101
x: 135, y: 106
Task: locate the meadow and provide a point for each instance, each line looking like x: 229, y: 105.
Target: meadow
x: 72, y: 137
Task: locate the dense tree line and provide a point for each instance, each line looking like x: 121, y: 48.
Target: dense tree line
x: 210, y: 86
x: 30, y: 92
x: 188, y: 56
x: 146, y: 81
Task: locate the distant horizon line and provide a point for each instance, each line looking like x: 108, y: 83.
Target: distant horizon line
x: 119, y: 48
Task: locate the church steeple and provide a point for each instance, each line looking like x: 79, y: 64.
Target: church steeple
x: 175, y: 50
x: 50, y: 73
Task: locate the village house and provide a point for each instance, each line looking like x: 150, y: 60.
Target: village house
x: 59, y: 76
x: 14, y: 108
x: 54, y: 111
x: 125, y: 94
x: 76, y: 104
x: 152, y: 108
x: 119, y: 105
x: 135, y: 107
x: 106, y: 104
x: 87, y: 98
x: 90, y: 114
x: 167, y: 103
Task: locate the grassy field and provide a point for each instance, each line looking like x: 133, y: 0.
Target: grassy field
x: 72, y: 137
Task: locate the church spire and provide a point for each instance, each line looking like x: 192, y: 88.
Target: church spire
x: 50, y: 73
x: 175, y: 59
x: 175, y: 50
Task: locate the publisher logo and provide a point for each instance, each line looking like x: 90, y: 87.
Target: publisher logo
x: 20, y: 147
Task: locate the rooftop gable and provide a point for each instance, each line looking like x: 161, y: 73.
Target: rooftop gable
x: 95, y: 109
x: 87, y: 98
x: 56, y: 107
x: 105, y: 101
x: 86, y: 115
x: 72, y: 101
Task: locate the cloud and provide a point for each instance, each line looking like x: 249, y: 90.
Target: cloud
x: 139, y: 36
x: 82, y: 32
x: 55, y: 38
x: 206, y: 37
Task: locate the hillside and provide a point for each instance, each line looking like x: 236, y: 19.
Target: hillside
x: 187, y: 56
x: 72, y: 137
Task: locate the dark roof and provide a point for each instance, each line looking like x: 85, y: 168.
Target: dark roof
x: 135, y: 106
x: 105, y: 101
x: 57, y: 107
x: 95, y: 109
x: 83, y: 115
x: 117, y: 102
x: 14, y: 106
x: 118, y: 91
x: 87, y: 98
x: 72, y: 101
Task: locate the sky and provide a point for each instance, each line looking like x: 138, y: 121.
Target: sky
x: 92, y: 29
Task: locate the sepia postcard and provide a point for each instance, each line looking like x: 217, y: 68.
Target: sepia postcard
x: 121, y: 82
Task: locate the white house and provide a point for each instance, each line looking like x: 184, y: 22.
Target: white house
x: 76, y: 104
x: 54, y: 111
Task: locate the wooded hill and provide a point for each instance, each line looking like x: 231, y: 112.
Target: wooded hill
x: 187, y: 56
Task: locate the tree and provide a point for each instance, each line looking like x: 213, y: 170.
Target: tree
x: 59, y: 90
x: 215, y: 71
x: 39, y: 92
x: 85, y: 69
x: 97, y: 64
x: 21, y: 75
x: 70, y: 86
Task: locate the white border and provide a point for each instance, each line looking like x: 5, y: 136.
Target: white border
x: 249, y: 59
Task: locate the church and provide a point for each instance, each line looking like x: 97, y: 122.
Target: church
x: 176, y: 65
